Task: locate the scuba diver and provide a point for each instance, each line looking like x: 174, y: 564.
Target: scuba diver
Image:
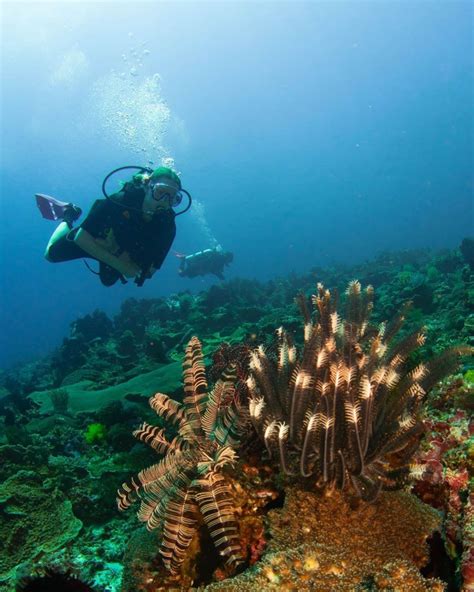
x: 204, y: 262
x: 129, y: 233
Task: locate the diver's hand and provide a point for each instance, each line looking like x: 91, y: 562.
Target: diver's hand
x: 127, y: 267
x: 129, y: 270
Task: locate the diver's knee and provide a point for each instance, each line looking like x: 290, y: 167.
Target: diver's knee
x: 49, y: 256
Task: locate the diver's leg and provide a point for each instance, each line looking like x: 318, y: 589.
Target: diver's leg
x: 61, y: 246
x: 60, y: 232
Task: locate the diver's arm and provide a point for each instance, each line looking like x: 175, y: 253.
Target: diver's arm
x: 88, y: 244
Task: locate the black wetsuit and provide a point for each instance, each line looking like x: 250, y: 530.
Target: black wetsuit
x: 146, y: 242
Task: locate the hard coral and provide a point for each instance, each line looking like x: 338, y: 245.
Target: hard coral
x: 34, y: 521
x: 341, y: 549
x: 444, y: 479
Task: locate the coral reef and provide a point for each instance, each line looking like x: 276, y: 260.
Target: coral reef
x: 444, y: 471
x: 35, y: 520
x: 467, y: 560
x: 339, y: 548
x: 110, y: 367
x: 347, y: 411
x: 467, y: 251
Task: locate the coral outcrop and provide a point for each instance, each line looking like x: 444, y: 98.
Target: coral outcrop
x: 445, y: 472
x: 35, y: 520
x: 323, y: 543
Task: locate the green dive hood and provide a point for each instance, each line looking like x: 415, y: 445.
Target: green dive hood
x: 165, y: 172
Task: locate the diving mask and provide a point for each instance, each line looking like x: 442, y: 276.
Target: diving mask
x: 166, y: 194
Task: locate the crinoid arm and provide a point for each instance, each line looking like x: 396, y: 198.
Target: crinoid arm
x: 195, y: 390
x: 168, y: 409
x: 217, y: 508
x: 156, y: 439
x: 179, y: 528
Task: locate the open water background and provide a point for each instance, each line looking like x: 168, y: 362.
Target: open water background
x: 309, y: 133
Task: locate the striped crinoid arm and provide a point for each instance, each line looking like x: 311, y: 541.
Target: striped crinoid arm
x: 286, y: 365
x: 167, y: 408
x: 263, y: 381
x: 365, y: 398
x: 307, y: 378
x: 336, y: 405
x: 135, y: 488
x: 407, y: 432
x: 220, y: 396
x: 393, y: 400
x: 406, y: 393
x: 156, y: 438
x: 347, y: 406
x: 444, y: 364
x: 398, y: 421
x: 400, y: 352
x: 355, y: 326
x: 376, y: 355
x: 309, y: 451
x: 276, y: 440
x: 302, y: 401
x: 219, y: 513
x: 395, y: 388
x: 179, y: 527
x: 390, y: 382
x: 157, y: 493
x: 324, y: 303
x: 215, y: 460
x: 379, y: 471
x: 195, y: 390
x: 354, y: 438
x: 232, y: 422
x: 225, y: 455
x: 359, y: 305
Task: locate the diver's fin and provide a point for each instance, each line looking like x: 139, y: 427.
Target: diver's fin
x: 50, y: 208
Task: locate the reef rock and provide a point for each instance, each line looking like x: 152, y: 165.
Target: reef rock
x: 321, y: 543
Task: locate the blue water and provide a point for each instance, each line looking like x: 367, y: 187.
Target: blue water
x: 308, y: 134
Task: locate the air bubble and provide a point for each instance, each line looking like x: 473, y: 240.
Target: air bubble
x: 133, y: 111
